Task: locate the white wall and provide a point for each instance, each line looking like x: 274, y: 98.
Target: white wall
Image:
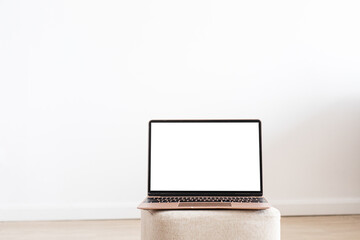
x: 80, y: 79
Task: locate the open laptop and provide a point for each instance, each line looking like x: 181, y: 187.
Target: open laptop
x: 205, y: 164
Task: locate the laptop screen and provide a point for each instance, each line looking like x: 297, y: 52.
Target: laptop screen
x: 210, y: 156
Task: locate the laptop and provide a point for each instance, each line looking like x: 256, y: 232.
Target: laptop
x: 205, y: 164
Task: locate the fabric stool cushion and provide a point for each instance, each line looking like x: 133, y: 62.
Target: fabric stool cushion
x: 210, y: 224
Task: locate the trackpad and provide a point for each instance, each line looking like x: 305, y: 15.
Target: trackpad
x: 204, y: 204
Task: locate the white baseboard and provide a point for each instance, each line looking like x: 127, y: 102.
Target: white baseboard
x: 124, y: 210
x: 128, y: 210
x: 318, y: 206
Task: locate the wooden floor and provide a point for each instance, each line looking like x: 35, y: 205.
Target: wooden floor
x: 321, y: 227
x: 294, y: 228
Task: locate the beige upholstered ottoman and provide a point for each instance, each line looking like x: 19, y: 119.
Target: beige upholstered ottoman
x: 210, y: 224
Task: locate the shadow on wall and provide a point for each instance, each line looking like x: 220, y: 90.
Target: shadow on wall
x: 318, y: 157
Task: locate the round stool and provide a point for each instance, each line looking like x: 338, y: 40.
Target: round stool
x: 210, y: 224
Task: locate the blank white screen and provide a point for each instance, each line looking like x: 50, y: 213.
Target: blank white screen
x: 205, y: 156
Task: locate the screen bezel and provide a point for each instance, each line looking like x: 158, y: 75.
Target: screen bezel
x: 203, y: 193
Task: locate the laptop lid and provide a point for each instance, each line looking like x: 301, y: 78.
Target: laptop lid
x: 205, y: 157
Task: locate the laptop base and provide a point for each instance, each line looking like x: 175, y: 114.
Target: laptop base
x: 146, y: 205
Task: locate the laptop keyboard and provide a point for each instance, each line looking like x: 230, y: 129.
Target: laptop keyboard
x: 206, y: 199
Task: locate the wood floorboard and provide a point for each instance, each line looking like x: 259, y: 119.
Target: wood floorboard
x: 321, y: 227
x: 292, y: 228
x: 71, y: 230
